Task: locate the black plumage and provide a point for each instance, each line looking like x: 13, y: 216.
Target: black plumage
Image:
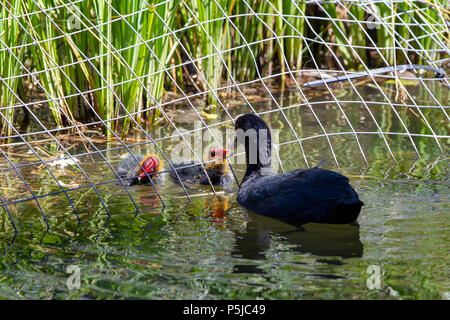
x: 296, y: 197
x: 193, y: 173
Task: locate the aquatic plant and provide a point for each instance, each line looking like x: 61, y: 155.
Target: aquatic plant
x: 112, y: 61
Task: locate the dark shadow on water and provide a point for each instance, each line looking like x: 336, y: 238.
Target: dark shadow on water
x: 322, y: 240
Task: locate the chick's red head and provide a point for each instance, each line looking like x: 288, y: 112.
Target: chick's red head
x: 217, y: 153
x: 150, y: 164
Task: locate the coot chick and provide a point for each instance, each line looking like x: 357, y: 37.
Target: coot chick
x: 296, y: 197
x: 132, y: 172
x: 192, y: 173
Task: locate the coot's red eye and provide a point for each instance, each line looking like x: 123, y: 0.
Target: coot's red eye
x: 213, y: 153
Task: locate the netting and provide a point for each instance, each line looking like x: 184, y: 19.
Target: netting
x: 84, y: 81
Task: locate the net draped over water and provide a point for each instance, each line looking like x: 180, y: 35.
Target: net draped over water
x: 85, y: 82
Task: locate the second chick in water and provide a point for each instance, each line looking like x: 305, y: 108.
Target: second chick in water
x: 193, y: 173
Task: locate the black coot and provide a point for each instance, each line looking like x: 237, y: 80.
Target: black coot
x: 296, y: 197
x: 193, y: 173
x: 132, y: 172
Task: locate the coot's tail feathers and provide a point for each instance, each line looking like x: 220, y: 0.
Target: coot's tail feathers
x: 347, y: 210
x: 351, y: 202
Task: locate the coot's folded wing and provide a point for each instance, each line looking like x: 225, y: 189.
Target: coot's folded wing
x: 291, y: 194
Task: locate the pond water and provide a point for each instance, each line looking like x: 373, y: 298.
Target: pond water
x: 211, y: 248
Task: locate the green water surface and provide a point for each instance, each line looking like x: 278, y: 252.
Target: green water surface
x: 211, y: 248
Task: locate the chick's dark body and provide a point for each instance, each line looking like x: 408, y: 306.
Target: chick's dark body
x: 193, y: 173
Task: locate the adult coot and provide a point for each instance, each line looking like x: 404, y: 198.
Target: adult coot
x: 136, y: 173
x: 193, y: 173
x: 296, y: 197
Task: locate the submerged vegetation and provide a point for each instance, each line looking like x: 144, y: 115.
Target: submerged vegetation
x: 113, y: 61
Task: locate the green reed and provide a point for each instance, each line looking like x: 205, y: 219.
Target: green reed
x: 294, y: 45
x: 10, y: 36
x: 210, y: 38
x: 132, y: 52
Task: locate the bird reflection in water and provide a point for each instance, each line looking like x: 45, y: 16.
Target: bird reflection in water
x: 321, y: 240
x: 150, y: 201
x: 218, y: 207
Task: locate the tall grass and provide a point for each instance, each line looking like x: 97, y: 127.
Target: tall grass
x: 210, y: 37
x: 102, y: 46
x: 10, y: 36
